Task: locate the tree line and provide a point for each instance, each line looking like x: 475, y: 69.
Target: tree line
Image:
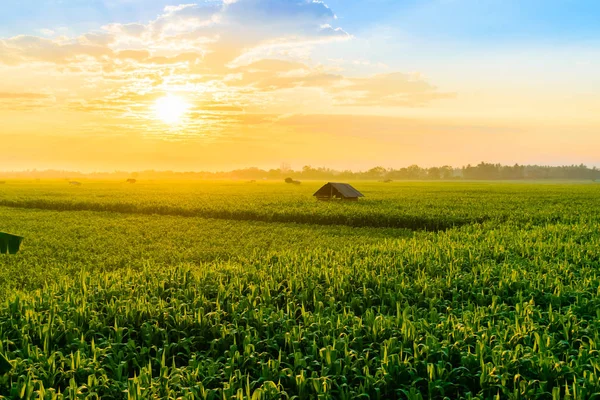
x: 481, y: 171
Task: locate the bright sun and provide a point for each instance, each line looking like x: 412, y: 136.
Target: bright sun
x: 170, y: 109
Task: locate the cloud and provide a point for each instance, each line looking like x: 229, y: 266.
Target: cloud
x: 97, y: 39
x: 185, y: 18
x: 394, y: 89
x: 5, y: 95
x: 46, y: 32
x: 233, y: 27
x: 230, y: 59
x: 24, y: 48
x: 133, y: 30
x: 272, y: 74
x: 329, y: 31
x: 24, y: 101
x: 298, y: 12
x: 249, y: 22
x: 387, y: 90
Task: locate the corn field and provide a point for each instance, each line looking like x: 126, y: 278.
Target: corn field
x: 229, y: 290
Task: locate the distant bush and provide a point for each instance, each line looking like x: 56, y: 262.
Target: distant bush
x: 290, y: 180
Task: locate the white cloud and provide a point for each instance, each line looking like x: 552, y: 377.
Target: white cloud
x: 233, y: 52
x: 47, y: 32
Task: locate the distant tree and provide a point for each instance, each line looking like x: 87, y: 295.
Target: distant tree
x: 376, y: 173
x: 447, y: 172
x: 483, y: 170
x: 275, y: 174
x: 514, y: 172
x: 347, y: 175
x: 434, y: 173
x: 414, y: 172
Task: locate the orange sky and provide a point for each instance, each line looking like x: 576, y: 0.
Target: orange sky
x: 298, y: 87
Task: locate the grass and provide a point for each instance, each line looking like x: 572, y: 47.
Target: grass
x: 415, y: 206
x: 111, y: 298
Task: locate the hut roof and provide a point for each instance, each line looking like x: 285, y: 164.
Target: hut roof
x: 344, y: 189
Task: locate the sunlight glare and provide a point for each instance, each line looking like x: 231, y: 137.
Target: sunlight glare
x: 170, y: 109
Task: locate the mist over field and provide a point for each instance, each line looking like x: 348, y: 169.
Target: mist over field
x: 481, y: 171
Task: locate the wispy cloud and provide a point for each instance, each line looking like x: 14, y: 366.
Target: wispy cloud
x: 227, y: 58
x: 4, y: 95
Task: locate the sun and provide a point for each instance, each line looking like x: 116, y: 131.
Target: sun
x: 171, y: 108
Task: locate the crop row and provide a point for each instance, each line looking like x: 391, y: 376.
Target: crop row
x: 469, y: 313
x: 431, y: 208
x: 138, y: 304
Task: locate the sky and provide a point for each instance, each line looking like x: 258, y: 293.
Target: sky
x: 101, y: 85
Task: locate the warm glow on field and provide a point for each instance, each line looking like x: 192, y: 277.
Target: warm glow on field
x: 170, y: 109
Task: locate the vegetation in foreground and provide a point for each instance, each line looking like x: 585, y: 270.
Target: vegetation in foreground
x: 135, y: 304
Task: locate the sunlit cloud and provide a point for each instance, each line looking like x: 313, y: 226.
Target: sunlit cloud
x: 228, y: 59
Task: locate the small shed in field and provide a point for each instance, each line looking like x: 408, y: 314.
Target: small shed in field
x: 342, y: 191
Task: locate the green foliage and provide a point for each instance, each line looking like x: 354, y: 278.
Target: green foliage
x: 137, y: 305
x: 415, y: 206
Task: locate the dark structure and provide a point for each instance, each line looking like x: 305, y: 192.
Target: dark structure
x: 341, y: 191
x: 10, y: 243
x: 131, y: 180
x: 290, y: 180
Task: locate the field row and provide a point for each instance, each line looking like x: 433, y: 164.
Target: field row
x: 139, y: 304
x: 169, y: 307
x: 431, y: 207
x: 63, y: 242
